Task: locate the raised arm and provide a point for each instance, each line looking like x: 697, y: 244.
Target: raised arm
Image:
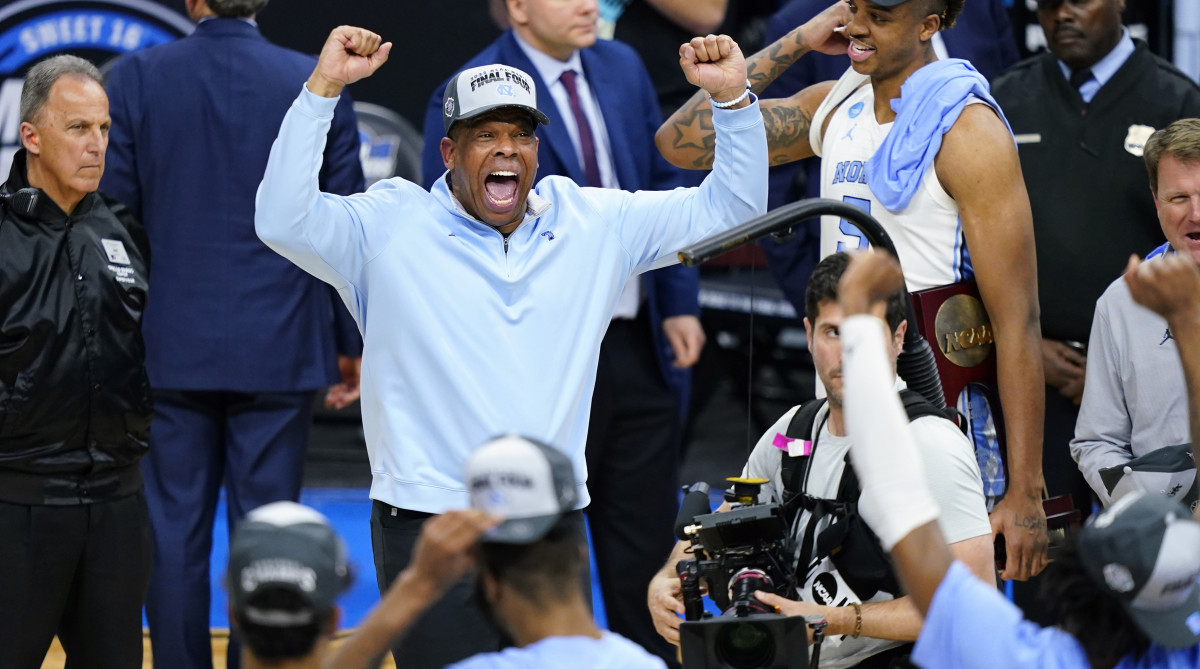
x: 319, y: 232
x: 1170, y: 287
x: 686, y: 139
x: 979, y: 167
x: 653, y: 225
x: 443, y: 554
x: 882, y: 448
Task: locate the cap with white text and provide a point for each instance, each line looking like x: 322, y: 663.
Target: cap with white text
x: 481, y: 89
x: 288, y: 546
x: 527, y: 483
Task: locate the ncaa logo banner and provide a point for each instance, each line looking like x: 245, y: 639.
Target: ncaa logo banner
x: 98, y: 30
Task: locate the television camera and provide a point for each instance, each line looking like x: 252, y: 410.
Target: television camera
x: 735, y: 554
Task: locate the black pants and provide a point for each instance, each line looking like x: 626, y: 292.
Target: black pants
x: 633, y: 471
x: 76, y: 571
x: 453, y: 628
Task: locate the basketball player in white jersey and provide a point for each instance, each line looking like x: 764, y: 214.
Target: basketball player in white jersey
x: 965, y: 214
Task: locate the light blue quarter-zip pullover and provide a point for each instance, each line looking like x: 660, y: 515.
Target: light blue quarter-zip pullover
x: 468, y: 335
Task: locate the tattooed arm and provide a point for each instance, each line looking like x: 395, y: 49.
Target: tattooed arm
x: 686, y: 139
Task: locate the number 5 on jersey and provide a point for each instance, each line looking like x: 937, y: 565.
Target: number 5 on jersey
x: 852, y: 238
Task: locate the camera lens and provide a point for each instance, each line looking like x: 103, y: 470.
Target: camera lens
x: 744, y: 645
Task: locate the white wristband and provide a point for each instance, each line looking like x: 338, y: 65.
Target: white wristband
x: 730, y: 103
x: 882, y: 447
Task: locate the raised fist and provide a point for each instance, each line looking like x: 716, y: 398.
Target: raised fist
x: 714, y: 63
x: 871, y: 278
x: 349, y: 54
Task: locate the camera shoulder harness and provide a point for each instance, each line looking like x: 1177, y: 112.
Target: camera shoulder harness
x: 848, y: 541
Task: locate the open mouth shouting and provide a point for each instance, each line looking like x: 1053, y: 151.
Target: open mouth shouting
x: 500, y: 188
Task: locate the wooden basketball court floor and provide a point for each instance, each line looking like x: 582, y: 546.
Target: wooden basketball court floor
x: 56, y: 658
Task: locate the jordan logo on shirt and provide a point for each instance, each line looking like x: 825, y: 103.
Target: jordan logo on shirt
x: 1166, y: 336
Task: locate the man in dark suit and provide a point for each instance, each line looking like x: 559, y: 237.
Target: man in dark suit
x: 237, y: 338
x: 642, y: 381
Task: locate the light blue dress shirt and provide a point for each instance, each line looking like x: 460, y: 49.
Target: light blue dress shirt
x: 1105, y: 69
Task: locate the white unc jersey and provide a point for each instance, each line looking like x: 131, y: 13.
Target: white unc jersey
x: 928, y: 233
x: 928, y: 237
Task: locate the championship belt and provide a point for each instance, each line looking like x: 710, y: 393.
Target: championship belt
x: 958, y: 328
x: 953, y: 320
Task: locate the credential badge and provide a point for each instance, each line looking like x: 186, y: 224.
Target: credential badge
x: 115, y: 251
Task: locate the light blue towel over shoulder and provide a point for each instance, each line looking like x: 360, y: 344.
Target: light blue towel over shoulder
x: 929, y: 104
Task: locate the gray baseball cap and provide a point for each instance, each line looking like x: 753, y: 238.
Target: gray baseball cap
x: 285, y: 545
x: 527, y: 483
x: 481, y: 89
x: 1145, y: 551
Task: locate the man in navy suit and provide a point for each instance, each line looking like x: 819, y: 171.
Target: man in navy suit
x: 642, y: 381
x: 237, y: 338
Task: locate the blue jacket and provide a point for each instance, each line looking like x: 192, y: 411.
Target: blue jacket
x: 632, y: 116
x: 469, y: 336
x: 193, y: 122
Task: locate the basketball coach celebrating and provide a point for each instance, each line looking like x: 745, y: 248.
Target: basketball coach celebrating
x: 74, y: 399
x: 483, y: 301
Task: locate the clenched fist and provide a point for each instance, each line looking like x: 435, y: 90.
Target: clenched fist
x: 349, y: 54
x: 714, y: 63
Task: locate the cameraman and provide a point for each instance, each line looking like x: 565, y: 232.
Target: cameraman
x: 867, y: 629
x: 1124, y: 595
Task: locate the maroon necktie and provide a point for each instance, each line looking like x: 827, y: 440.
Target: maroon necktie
x: 587, y: 144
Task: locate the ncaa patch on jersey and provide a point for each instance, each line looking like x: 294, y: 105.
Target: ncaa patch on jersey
x: 855, y: 110
x: 115, y: 251
x: 1136, y: 138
